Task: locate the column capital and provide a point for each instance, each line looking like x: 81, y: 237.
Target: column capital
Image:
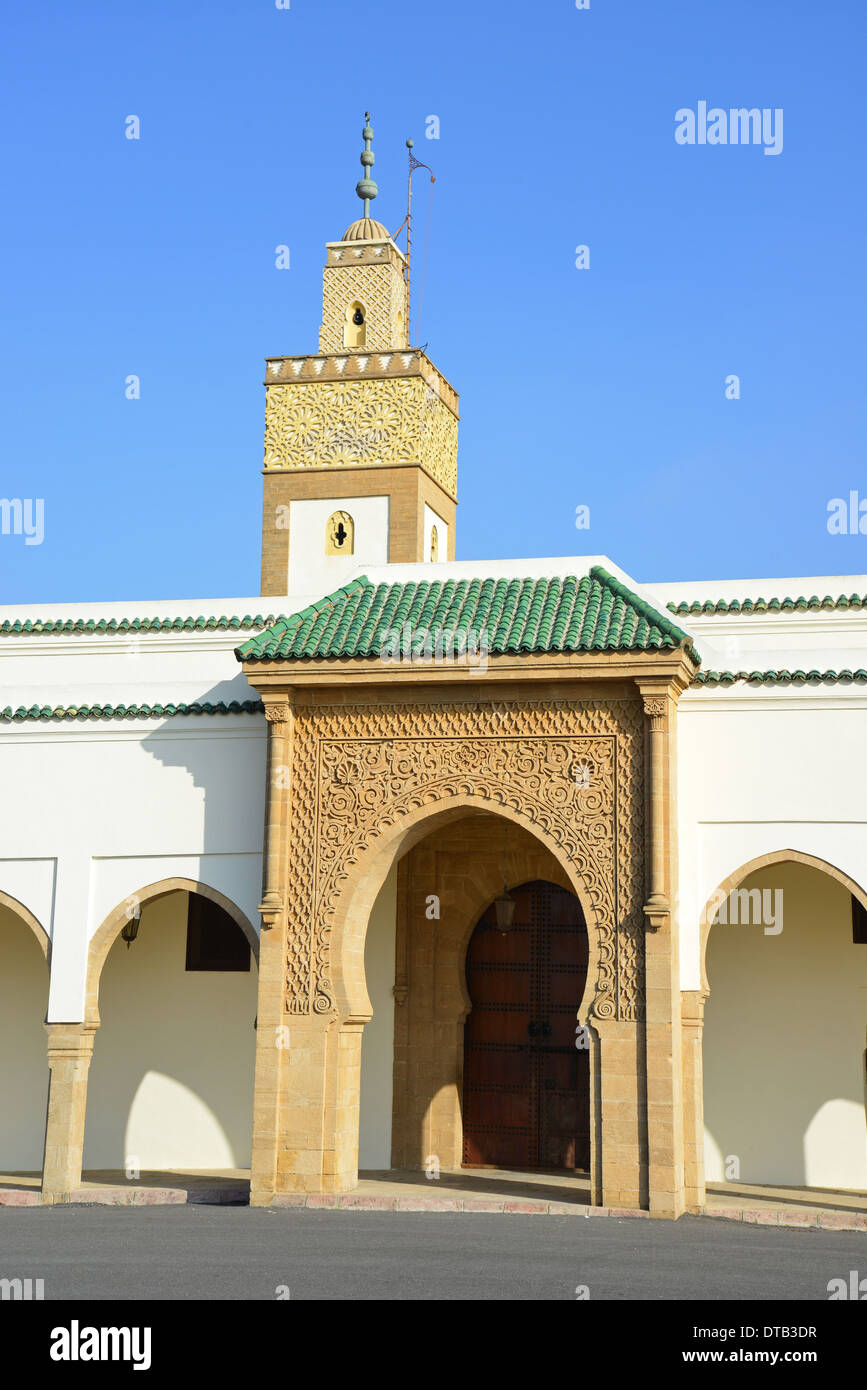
x: 659, y: 698
x: 657, y: 910
x: 656, y: 709
x: 279, y: 709
x: 660, y: 695
x: 692, y: 1003
x: 72, y: 1040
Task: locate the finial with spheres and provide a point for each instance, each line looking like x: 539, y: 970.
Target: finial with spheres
x: 366, y: 188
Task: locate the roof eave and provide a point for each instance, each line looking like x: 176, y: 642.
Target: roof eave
x: 678, y: 664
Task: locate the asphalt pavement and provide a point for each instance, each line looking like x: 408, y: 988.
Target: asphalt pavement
x: 200, y: 1252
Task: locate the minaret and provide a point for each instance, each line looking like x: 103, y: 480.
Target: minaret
x: 360, y: 439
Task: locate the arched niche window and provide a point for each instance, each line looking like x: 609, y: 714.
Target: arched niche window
x: 340, y: 534
x: 355, y: 329
x: 434, y: 544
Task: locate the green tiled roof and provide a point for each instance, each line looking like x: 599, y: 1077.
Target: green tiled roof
x: 779, y: 677
x: 770, y: 605
x: 62, y: 625
x: 593, y: 613
x: 8, y: 715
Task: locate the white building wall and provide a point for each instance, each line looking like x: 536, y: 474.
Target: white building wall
x: 761, y: 771
x: 311, y: 571
x: 103, y: 808
x: 120, y: 807
x: 433, y: 519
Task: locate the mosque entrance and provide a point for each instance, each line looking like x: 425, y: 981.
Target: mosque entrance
x: 526, y: 1100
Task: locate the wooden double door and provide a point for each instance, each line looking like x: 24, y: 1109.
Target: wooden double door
x: 526, y: 1100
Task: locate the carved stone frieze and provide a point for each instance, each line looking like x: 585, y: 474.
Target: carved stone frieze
x: 342, y: 424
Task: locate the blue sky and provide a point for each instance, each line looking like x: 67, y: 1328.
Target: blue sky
x: 602, y: 387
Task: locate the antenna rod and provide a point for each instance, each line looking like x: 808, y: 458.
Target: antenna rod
x: 413, y: 165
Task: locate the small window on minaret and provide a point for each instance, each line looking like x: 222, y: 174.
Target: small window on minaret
x: 340, y: 534
x: 434, y: 545
x: 355, y: 332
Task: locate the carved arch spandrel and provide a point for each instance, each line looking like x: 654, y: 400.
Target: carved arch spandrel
x: 361, y: 777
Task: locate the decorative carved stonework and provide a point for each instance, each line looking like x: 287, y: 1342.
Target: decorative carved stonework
x: 340, y: 534
x: 358, y: 771
x: 277, y: 715
x: 656, y: 709
x: 271, y: 909
x: 341, y: 424
x: 382, y: 290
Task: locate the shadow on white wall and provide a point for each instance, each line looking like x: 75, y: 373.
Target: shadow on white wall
x: 23, y: 1055
x: 171, y: 1082
x: 784, y: 1041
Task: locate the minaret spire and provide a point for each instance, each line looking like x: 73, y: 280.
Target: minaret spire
x: 366, y: 188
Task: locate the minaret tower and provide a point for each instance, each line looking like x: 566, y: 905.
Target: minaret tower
x: 360, y: 439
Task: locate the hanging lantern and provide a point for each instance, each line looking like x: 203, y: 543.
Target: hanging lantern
x: 129, y: 932
x: 504, y: 906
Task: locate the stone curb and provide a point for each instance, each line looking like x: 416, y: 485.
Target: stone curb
x: 354, y: 1201
x: 804, y: 1220
x: 128, y: 1197
x: 359, y: 1201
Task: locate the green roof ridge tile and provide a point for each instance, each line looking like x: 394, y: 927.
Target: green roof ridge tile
x: 472, y: 603
x: 801, y: 603
x: 122, y: 711
x: 332, y: 622
x: 523, y: 609
x: 781, y: 677
x: 560, y: 624
x: 584, y: 617
x: 41, y: 626
x: 550, y: 609
x: 365, y: 615
x: 653, y: 616
x: 431, y: 603
x: 527, y: 616
x: 477, y: 605
x: 504, y: 602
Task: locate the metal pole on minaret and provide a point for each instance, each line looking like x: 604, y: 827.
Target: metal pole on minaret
x: 413, y: 165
